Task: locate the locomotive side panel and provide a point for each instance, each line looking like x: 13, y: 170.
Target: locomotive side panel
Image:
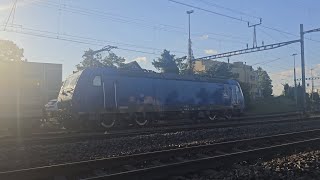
x: 109, y: 91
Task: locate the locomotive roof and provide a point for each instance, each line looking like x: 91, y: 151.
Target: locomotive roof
x: 151, y: 74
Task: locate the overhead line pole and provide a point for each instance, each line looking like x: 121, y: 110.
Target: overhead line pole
x: 189, y: 45
x: 312, y: 84
x: 295, y: 79
x: 248, y: 50
x: 303, y: 73
x: 255, y: 32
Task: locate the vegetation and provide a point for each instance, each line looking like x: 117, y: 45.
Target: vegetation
x: 271, y: 105
x: 219, y: 70
x: 9, y: 51
x: 312, y: 99
x: 264, y: 82
x: 92, y: 59
x: 168, y: 63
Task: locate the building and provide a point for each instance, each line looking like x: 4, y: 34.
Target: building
x: 243, y: 73
x: 132, y: 66
x: 26, y: 87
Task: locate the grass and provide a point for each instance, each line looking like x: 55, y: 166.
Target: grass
x: 272, y: 105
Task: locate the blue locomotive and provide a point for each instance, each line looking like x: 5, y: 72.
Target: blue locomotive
x: 108, y: 96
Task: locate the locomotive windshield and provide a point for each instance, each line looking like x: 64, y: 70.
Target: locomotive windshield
x: 71, y: 81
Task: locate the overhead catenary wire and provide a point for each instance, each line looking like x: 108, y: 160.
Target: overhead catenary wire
x: 228, y: 9
x: 75, y: 41
x: 154, y: 48
x: 83, y: 39
x: 240, y: 19
x: 209, y: 11
x: 288, y: 33
x: 289, y: 47
x: 12, y: 11
x: 124, y: 19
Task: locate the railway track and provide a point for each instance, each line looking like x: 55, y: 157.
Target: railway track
x: 162, y: 164
x: 80, y: 136
x: 166, y: 163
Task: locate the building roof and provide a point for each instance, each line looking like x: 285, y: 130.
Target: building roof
x: 132, y: 66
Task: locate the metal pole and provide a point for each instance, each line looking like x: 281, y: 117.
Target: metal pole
x: 295, y: 79
x: 254, y: 36
x: 303, y: 73
x: 312, y: 85
x: 189, y: 47
x: 189, y: 30
x: 189, y: 44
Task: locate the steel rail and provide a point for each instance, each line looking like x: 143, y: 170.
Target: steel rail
x: 211, y: 155
x: 146, y: 131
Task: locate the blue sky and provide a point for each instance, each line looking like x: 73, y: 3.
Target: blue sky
x: 143, y: 28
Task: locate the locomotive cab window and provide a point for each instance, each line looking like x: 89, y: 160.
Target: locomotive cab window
x: 97, y: 81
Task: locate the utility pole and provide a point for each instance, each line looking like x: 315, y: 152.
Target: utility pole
x: 295, y: 79
x: 302, y: 63
x: 189, y: 46
x: 254, y: 32
x: 303, y: 73
x: 312, y: 85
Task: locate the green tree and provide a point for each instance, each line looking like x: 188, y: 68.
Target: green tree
x: 92, y: 59
x: 219, y: 70
x: 166, y: 63
x: 315, y: 96
x: 286, y: 89
x: 112, y: 60
x: 264, y: 82
x: 9, y: 51
x: 182, y: 64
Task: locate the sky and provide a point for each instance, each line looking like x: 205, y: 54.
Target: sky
x: 59, y: 31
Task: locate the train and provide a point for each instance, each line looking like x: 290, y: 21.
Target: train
x: 108, y: 97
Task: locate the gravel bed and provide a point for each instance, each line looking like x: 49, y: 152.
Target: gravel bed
x: 300, y: 166
x: 41, y: 155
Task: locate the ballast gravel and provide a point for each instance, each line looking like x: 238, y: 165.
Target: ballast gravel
x: 300, y: 166
x: 18, y: 157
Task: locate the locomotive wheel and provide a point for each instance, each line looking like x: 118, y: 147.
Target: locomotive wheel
x: 142, y: 120
x: 108, y: 122
x: 228, y: 116
x: 213, y: 117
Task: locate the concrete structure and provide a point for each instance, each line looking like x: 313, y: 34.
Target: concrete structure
x: 26, y: 87
x: 243, y: 73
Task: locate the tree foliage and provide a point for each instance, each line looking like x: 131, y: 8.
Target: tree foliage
x: 264, y: 82
x: 219, y: 70
x: 245, y: 87
x: 9, y: 51
x: 312, y: 99
x: 112, y: 60
x: 167, y: 63
x: 92, y: 59
x: 182, y: 64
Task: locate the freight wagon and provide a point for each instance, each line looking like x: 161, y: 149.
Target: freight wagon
x: 25, y: 88
x: 109, y: 96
